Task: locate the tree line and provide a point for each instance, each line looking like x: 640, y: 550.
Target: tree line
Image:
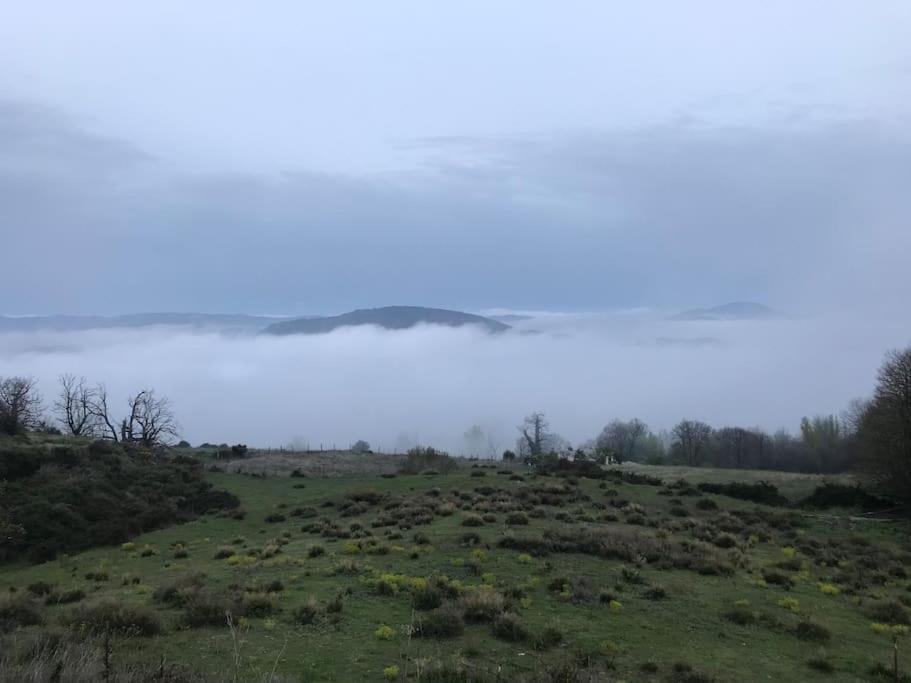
x: 871, y: 437
x: 83, y: 409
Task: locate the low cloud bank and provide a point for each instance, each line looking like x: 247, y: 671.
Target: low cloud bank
x: 430, y: 384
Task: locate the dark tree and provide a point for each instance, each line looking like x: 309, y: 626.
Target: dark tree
x: 102, y: 416
x: 884, y: 429
x: 150, y: 422
x: 20, y: 404
x: 534, y: 435
x: 74, y: 406
x: 691, y: 437
x: 619, y: 439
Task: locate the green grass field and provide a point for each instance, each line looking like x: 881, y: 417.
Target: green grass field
x: 659, y: 585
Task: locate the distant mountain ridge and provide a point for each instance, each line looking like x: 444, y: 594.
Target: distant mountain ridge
x: 737, y: 310
x: 65, y: 323
x: 387, y: 317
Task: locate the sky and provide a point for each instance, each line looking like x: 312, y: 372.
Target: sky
x: 306, y: 158
x: 603, y: 165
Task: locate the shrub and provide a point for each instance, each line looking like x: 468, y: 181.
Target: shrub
x: 40, y: 588
x: 740, y: 616
x: 202, y: 608
x: 821, y: 665
x: 17, y: 610
x: 890, y: 612
x: 509, y: 627
x: 274, y: 518
x: 790, y: 604
x: 811, y: 631
x: 472, y: 520
x: 445, y: 622
x: 776, y: 578
x: 384, y: 633
x: 426, y: 597
x: 706, y: 504
x: 725, y: 540
x: 391, y: 673
x: 470, y: 538
x: 655, y: 593
x: 315, y: 551
x: 177, y: 593
x: 549, y: 637
x: 110, y: 616
x: 831, y: 495
x: 254, y: 605
x: 307, y: 613
x: 517, y: 518
x: 224, y: 552
x: 65, y: 597
x: 483, y: 604
x: 761, y: 492
x: 420, y: 459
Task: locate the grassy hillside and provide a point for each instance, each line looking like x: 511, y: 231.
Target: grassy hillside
x: 484, y: 570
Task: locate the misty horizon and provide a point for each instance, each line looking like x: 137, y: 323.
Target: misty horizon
x: 428, y: 385
x: 308, y: 161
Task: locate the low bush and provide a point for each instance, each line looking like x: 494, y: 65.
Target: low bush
x: 426, y: 597
x: 509, y: 627
x: 420, y: 459
x: 761, y: 492
x: 517, y: 519
x: 201, y: 609
x: 110, y: 616
x: 831, y: 495
x: 889, y: 612
x: 65, y: 597
x: 40, y: 588
x: 481, y: 605
x: 811, y: 631
x: 96, y: 494
x: 16, y: 611
x: 444, y: 622
x: 472, y: 520
x: 307, y: 614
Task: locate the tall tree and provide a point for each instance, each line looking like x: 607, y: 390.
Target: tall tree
x: 151, y: 421
x: 619, y: 439
x: 534, y: 435
x: 691, y: 437
x: 74, y: 406
x: 884, y: 432
x: 20, y: 404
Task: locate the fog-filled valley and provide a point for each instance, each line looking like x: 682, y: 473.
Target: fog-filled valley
x: 428, y: 385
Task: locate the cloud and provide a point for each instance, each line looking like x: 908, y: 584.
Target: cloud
x: 431, y: 384
x: 678, y: 215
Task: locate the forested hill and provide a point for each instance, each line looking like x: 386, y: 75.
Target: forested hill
x: 388, y: 317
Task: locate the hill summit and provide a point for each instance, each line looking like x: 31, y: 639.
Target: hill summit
x: 738, y: 310
x: 387, y: 317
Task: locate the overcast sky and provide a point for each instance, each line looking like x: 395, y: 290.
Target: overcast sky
x: 289, y: 157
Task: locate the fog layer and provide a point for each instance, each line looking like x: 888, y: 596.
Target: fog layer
x: 430, y: 384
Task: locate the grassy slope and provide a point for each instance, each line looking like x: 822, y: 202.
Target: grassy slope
x: 687, y: 626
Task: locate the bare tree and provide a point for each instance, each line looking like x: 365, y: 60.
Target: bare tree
x: 151, y: 420
x: 884, y: 431
x: 20, y: 404
x: 534, y: 431
x: 618, y: 439
x: 98, y: 407
x: 74, y: 406
x: 691, y: 436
